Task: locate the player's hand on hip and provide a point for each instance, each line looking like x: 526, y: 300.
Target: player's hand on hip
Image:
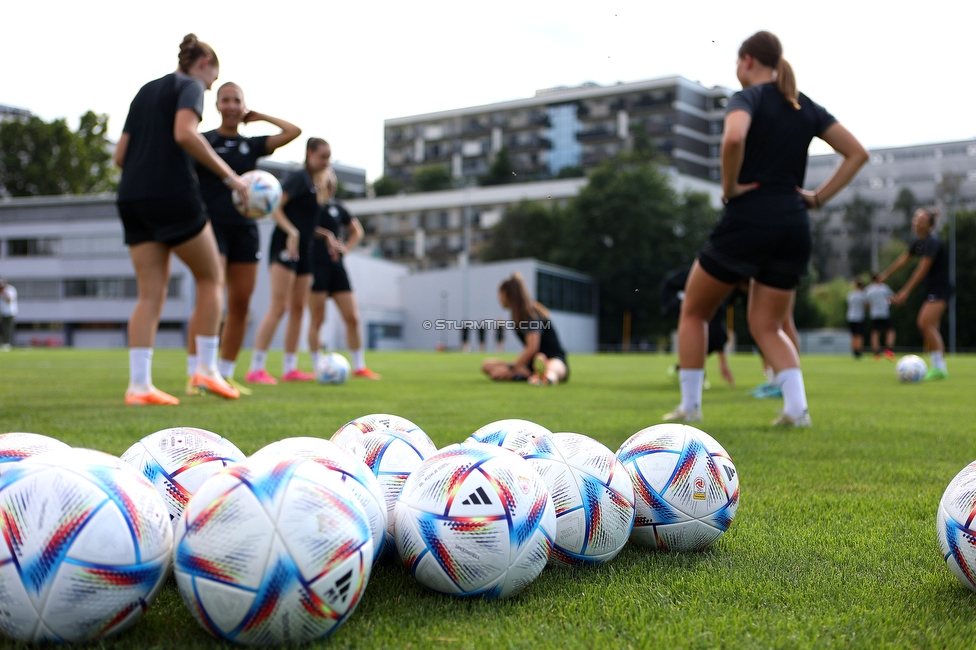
x: 738, y: 190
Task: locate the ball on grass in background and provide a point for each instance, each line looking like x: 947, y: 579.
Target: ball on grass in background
x: 332, y: 368
x: 178, y: 461
x: 591, y: 491
x: 87, y: 544
x: 391, y: 456
x: 264, y: 194
x: 475, y: 520
x: 507, y: 433
x: 354, y: 473
x: 686, y: 487
x: 910, y: 369
x: 16, y: 446
x: 954, y: 526
x: 272, y: 550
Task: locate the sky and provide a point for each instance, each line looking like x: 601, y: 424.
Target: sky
x: 894, y: 74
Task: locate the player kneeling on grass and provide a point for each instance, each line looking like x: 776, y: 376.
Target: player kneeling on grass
x: 543, y: 360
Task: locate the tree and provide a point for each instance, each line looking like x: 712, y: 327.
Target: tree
x: 432, y: 178
x: 527, y: 230
x: 48, y: 158
x: 823, y: 249
x: 965, y: 279
x: 906, y: 203
x: 573, y: 171
x: 500, y: 171
x: 859, y: 220
x: 386, y: 186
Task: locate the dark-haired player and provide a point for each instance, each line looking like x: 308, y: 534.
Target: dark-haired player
x: 330, y: 279
x: 933, y: 267
x: 237, y: 236
x: 162, y: 212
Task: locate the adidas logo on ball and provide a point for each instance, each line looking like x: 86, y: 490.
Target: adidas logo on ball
x: 477, y: 498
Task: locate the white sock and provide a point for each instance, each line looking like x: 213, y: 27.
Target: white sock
x: 938, y: 361
x: 691, y: 388
x: 315, y: 358
x: 358, y: 359
x: 289, y: 363
x: 258, y: 359
x: 207, y: 349
x: 140, y: 367
x: 191, y: 364
x: 226, y: 368
x: 790, y: 382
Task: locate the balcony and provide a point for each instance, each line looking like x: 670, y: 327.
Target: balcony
x: 647, y: 104
x: 598, y: 134
x: 528, y: 144
x: 475, y: 127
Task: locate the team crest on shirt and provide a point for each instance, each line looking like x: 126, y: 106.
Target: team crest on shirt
x: 244, y: 149
x: 334, y: 211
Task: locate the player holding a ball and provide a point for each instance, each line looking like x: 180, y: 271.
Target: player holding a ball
x: 764, y: 233
x: 237, y: 236
x: 162, y: 212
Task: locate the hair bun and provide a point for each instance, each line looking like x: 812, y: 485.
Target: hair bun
x: 189, y: 42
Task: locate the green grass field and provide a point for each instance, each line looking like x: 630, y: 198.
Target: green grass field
x: 834, y: 543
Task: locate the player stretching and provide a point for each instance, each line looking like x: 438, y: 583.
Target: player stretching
x: 237, y: 236
x: 764, y: 233
x: 162, y: 212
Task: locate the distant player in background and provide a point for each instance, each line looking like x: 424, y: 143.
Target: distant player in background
x: 878, y: 296
x: 237, y: 236
x: 332, y: 280
x: 162, y: 212
x: 290, y: 262
x: 855, y: 318
x: 764, y: 233
x: 8, y: 311
x: 543, y: 360
x: 933, y: 267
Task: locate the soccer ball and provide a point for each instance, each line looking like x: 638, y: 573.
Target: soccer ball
x: 591, y: 491
x: 348, y: 433
x: 16, y: 446
x: 88, y: 546
x: 264, y: 195
x: 957, y: 535
x: 177, y: 461
x: 354, y: 472
x: 509, y: 434
x: 686, y: 487
x: 272, y: 550
x: 391, y: 456
x: 332, y: 368
x: 475, y: 520
x: 911, y: 368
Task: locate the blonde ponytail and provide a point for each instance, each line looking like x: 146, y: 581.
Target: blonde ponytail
x: 786, y: 82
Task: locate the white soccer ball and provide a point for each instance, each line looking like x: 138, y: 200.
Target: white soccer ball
x: 348, y: 433
x: 354, y: 473
x: 475, y: 520
x: 509, y: 434
x: 591, y: 491
x: 954, y: 526
x: 391, y: 456
x: 686, y: 487
x: 88, y: 545
x: 332, y: 368
x: 271, y: 551
x: 911, y: 368
x: 16, y: 446
x: 178, y: 461
x: 264, y: 195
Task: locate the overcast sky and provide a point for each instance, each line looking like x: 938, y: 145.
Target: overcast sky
x: 894, y: 73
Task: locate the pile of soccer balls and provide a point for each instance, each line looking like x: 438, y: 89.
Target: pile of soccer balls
x: 279, y: 547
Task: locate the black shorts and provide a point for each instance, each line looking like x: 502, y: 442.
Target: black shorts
x: 170, y: 220
x: 856, y: 327
x: 330, y: 277
x: 238, y: 243
x: 765, y: 237
x: 881, y: 324
x: 717, y: 335
x: 301, y: 266
x: 941, y: 292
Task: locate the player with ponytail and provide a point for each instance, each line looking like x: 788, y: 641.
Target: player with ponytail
x: 162, y: 212
x: 764, y: 232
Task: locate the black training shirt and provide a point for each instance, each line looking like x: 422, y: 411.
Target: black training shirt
x: 155, y: 165
x: 331, y: 216
x: 241, y: 154
x: 932, y: 246
x: 548, y: 341
x: 778, y: 138
x: 302, y: 206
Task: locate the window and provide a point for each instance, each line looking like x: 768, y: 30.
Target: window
x: 113, y: 288
x: 561, y: 293
x: 28, y: 290
x: 41, y: 246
